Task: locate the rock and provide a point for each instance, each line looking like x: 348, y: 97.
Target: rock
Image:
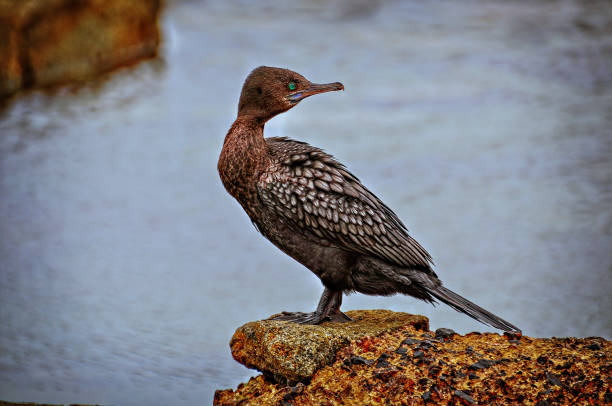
x: 372, y: 371
x: 553, y: 379
x: 10, y: 65
x: 427, y: 344
x: 401, y: 350
x: 482, y: 364
x: 594, y: 346
x: 410, y: 341
x: 381, y: 362
x: 418, y: 354
x: 444, y: 333
x: 49, y: 42
x: 290, y: 352
x: 355, y: 360
x: 466, y: 399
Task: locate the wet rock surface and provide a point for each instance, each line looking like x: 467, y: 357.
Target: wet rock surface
x: 290, y: 352
x: 408, y: 365
x: 44, y: 43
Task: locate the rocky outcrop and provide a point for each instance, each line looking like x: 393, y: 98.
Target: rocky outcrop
x: 290, y: 353
x: 44, y: 43
x: 395, y: 363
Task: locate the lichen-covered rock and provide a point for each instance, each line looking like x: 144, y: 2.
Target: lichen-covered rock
x: 407, y: 366
x: 10, y: 66
x: 48, y: 42
x: 290, y: 352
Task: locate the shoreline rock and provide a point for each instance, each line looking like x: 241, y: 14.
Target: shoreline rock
x: 46, y: 43
x: 401, y: 364
x: 290, y: 353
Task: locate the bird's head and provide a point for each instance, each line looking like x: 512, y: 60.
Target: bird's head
x: 269, y: 91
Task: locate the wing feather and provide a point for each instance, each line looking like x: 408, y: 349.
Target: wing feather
x: 315, y: 192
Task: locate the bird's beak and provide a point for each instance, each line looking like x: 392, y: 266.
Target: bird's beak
x: 314, y: 88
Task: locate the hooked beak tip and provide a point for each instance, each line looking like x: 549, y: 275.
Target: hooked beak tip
x: 313, y: 89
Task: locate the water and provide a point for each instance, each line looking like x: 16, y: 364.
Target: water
x: 126, y: 267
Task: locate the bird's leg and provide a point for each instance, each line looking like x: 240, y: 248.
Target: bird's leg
x: 328, y: 309
x: 335, y: 313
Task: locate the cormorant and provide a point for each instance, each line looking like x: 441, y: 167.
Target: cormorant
x: 311, y: 207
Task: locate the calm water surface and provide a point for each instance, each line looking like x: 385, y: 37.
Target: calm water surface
x: 125, y: 267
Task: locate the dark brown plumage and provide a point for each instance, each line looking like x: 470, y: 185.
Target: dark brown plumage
x: 312, y: 208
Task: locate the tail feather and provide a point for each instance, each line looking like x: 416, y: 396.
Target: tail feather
x: 463, y: 305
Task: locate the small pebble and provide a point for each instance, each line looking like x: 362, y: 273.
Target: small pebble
x: 357, y: 360
x: 594, y: 346
x: 464, y: 396
x: 382, y: 361
x: 553, y: 379
x: 445, y: 333
x: 425, y: 344
x: 483, y: 364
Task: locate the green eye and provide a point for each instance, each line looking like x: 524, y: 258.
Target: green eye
x: 292, y: 86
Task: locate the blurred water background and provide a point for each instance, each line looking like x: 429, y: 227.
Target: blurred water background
x: 125, y: 267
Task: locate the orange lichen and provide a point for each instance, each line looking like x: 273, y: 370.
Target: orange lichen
x: 411, y: 367
x: 289, y: 352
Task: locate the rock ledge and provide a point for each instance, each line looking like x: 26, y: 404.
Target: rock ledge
x: 385, y: 362
x: 289, y: 353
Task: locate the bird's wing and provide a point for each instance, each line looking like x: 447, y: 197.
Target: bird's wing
x: 309, y: 188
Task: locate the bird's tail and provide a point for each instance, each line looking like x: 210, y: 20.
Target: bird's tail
x: 463, y: 305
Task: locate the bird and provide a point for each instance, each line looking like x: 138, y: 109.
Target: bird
x: 315, y: 210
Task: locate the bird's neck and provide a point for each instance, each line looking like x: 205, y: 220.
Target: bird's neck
x: 243, y: 158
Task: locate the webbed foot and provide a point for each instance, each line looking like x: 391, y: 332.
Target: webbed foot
x: 300, y: 317
x: 312, y: 317
x: 327, y: 310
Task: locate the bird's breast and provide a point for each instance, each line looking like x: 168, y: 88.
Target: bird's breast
x: 242, y: 160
